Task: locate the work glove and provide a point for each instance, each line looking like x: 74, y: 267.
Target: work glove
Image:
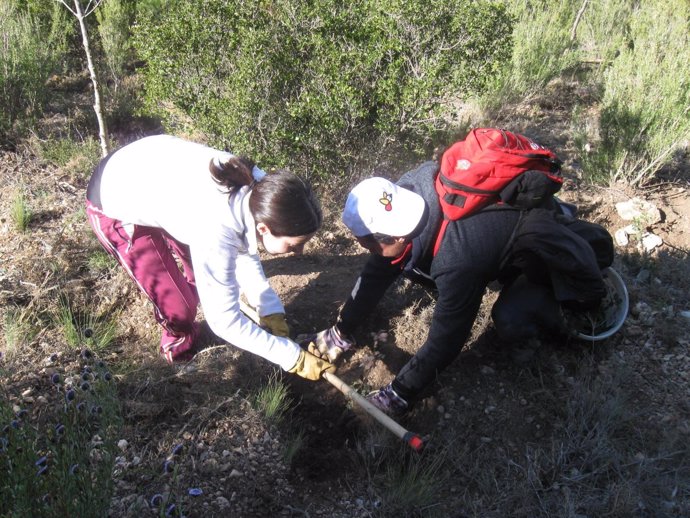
x: 328, y: 344
x: 275, y: 324
x: 310, y: 367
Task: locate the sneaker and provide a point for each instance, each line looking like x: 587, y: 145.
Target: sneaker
x: 388, y: 401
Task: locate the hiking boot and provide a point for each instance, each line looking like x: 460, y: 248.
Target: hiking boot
x: 388, y: 401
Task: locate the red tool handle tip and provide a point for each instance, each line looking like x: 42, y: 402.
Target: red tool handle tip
x: 415, y: 441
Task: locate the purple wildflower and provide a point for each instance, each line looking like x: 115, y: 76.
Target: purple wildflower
x: 88, y: 332
x: 15, y: 424
x: 70, y: 395
x: 86, y: 354
x: 59, y: 428
x: 195, y: 491
x: 21, y: 413
x: 170, y: 510
x: 85, y: 386
x: 107, y: 376
x: 42, y: 471
x: 168, y: 466
x: 55, y: 378
x: 81, y: 406
x: 42, y: 461
x: 156, y: 500
x: 96, y: 410
x: 73, y: 469
x: 177, y: 449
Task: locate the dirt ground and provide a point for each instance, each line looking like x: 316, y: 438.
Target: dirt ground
x: 486, y: 420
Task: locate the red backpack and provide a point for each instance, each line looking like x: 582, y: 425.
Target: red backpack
x: 493, y: 165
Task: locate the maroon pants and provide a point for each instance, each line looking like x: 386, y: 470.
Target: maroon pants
x: 148, y: 256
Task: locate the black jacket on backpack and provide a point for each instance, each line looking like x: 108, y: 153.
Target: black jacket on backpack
x: 496, y: 243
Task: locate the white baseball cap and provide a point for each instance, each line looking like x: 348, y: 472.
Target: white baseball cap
x: 378, y: 206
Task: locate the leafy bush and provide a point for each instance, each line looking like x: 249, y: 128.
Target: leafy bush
x: 33, y: 48
x: 541, y: 49
x: 645, y: 113
x: 635, y: 57
x: 309, y: 84
x: 115, y: 18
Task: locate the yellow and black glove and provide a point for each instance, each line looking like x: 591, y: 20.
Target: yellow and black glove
x: 310, y: 367
x: 276, y: 324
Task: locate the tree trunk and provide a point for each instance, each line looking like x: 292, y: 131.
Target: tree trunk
x: 102, y: 129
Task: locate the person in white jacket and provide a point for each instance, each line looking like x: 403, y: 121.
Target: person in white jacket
x: 161, y: 198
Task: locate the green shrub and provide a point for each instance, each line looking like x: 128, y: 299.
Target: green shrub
x: 541, y: 50
x: 602, y: 31
x: 309, y: 84
x: 115, y: 18
x: 645, y: 114
x: 37, y: 43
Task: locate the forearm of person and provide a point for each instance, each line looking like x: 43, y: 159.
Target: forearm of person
x: 219, y: 295
x: 454, y: 315
x: 227, y: 321
x: 255, y: 286
x: 376, y: 277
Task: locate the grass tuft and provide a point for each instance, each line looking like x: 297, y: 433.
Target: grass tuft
x: 19, y: 331
x: 272, y: 400
x: 100, y: 261
x: 21, y: 213
x: 293, y: 445
x: 402, y: 482
x: 84, y: 329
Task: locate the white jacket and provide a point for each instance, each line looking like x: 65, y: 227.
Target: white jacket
x: 163, y: 181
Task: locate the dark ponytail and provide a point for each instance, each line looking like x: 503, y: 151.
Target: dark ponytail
x: 232, y: 173
x: 286, y: 204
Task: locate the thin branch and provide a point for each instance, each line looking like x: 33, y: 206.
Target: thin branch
x: 573, y: 32
x: 63, y: 2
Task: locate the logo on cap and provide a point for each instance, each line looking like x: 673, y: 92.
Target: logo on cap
x: 387, y: 200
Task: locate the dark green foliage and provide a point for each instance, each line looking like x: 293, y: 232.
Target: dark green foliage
x: 36, y: 40
x: 308, y: 84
